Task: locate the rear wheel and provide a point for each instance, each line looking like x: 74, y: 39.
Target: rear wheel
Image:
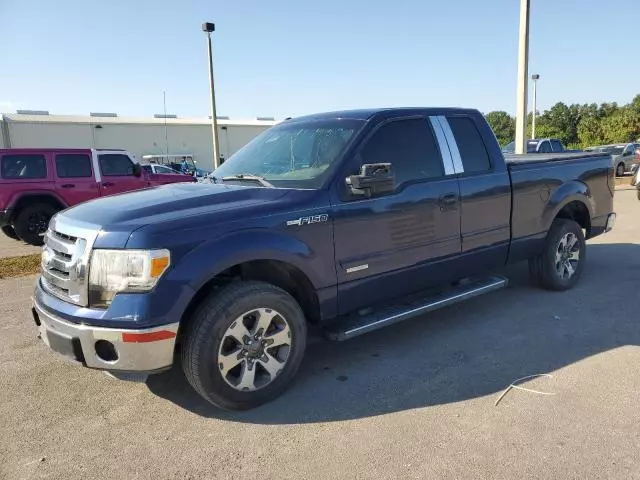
x: 560, y: 264
x: 620, y: 170
x: 244, y: 345
x: 10, y: 232
x: 32, y: 222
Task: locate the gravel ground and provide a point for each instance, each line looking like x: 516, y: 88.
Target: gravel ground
x: 412, y: 401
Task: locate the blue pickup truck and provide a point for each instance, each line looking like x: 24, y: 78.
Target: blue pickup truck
x: 348, y: 221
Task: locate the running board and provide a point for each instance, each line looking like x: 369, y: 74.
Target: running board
x: 356, y: 325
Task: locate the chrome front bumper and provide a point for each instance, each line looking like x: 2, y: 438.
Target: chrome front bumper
x: 145, y: 350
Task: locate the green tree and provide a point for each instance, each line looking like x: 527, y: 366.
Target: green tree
x: 590, y: 132
x: 503, y: 125
x: 622, y: 126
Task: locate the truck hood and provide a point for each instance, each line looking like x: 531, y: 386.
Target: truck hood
x: 128, y: 211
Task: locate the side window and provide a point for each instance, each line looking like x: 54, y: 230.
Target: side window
x: 24, y: 166
x: 630, y: 150
x: 115, y: 164
x: 545, y: 147
x: 73, y: 165
x: 470, y: 145
x: 410, y: 147
x: 556, y: 146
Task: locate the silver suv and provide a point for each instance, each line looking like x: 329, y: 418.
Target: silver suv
x: 626, y: 156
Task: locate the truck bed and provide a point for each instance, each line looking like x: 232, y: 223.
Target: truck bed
x: 539, y: 181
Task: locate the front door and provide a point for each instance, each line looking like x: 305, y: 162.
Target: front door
x: 75, y: 180
x: 118, y: 176
x: 388, y: 246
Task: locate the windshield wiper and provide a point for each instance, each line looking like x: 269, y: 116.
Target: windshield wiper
x: 248, y: 177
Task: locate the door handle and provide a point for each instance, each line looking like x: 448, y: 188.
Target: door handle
x: 68, y: 185
x: 107, y: 184
x: 447, y: 201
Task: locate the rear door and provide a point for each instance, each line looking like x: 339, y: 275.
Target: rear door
x: 74, y: 177
x: 485, y: 191
x: 390, y: 245
x: 117, y: 172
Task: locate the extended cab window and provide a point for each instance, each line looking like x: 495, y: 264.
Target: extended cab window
x: 556, y: 146
x: 73, y: 165
x: 115, y: 164
x: 24, y: 166
x: 410, y: 147
x: 470, y: 145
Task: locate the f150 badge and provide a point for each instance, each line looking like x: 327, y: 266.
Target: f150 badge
x: 308, y: 220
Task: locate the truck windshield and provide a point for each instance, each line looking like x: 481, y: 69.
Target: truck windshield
x: 293, y: 155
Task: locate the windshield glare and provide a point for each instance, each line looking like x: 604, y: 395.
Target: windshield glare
x: 292, y: 155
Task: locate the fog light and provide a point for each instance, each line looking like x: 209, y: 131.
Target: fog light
x: 106, y: 351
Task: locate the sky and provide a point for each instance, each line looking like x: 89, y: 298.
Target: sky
x: 290, y: 57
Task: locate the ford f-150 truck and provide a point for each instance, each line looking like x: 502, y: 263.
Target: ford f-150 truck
x: 36, y: 183
x: 350, y: 221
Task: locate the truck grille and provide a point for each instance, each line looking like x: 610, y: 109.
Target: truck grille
x: 64, y: 262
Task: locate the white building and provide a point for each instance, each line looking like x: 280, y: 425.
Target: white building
x: 140, y: 136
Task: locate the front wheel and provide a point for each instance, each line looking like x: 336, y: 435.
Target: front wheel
x: 244, y: 345
x: 32, y: 222
x: 620, y: 170
x: 560, y: 264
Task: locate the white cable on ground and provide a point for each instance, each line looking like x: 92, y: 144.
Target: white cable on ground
x: 513, y: 385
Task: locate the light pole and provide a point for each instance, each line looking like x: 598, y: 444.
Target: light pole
x: 533, y: 118
x: 208, y: 28
x: 523, y: 66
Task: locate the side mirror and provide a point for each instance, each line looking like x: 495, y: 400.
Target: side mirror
x: 374, y: 179
x: 137, y: 170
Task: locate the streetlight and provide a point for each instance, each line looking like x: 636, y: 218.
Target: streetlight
x: 208, y: 28
x: 533, y: 119
x: 523, y: 66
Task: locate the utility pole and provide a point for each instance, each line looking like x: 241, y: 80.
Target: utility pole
x: 523, y: 67
x: 209, y: 28
x: 533, y: 117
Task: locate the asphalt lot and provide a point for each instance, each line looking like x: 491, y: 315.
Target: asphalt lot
x: 411, y: 401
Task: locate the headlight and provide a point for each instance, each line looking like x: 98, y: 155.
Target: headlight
x: 118, y: 271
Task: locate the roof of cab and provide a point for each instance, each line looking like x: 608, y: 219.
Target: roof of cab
x: 367, y: 114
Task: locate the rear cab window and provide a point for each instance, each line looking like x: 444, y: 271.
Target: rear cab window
x: 557, y: 146
x: 545, y: 147
x: 473, y: 152
x: 73, y: 165
x: 23, y: 166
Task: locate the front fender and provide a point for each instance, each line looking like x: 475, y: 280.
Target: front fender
x: 214, y: 256
x: 573, y: 191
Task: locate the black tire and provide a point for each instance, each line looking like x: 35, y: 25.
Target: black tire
x: 620, y: 169
x: 546, y: 271
x: 207, y: 329
x: 32, y: 221
x: 10, y: 232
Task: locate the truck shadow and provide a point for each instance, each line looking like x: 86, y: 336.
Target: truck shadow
x: 462, y: 352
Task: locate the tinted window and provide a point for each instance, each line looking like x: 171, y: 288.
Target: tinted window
x: 545, y: 147
x: 24, y: 166
x: 470, y: 145
x: 114, y: 164
x: 409, y: 145
x: 73, y: 165
x: 556, y: 146
x: 147, y: 168
x: 162, y: 169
